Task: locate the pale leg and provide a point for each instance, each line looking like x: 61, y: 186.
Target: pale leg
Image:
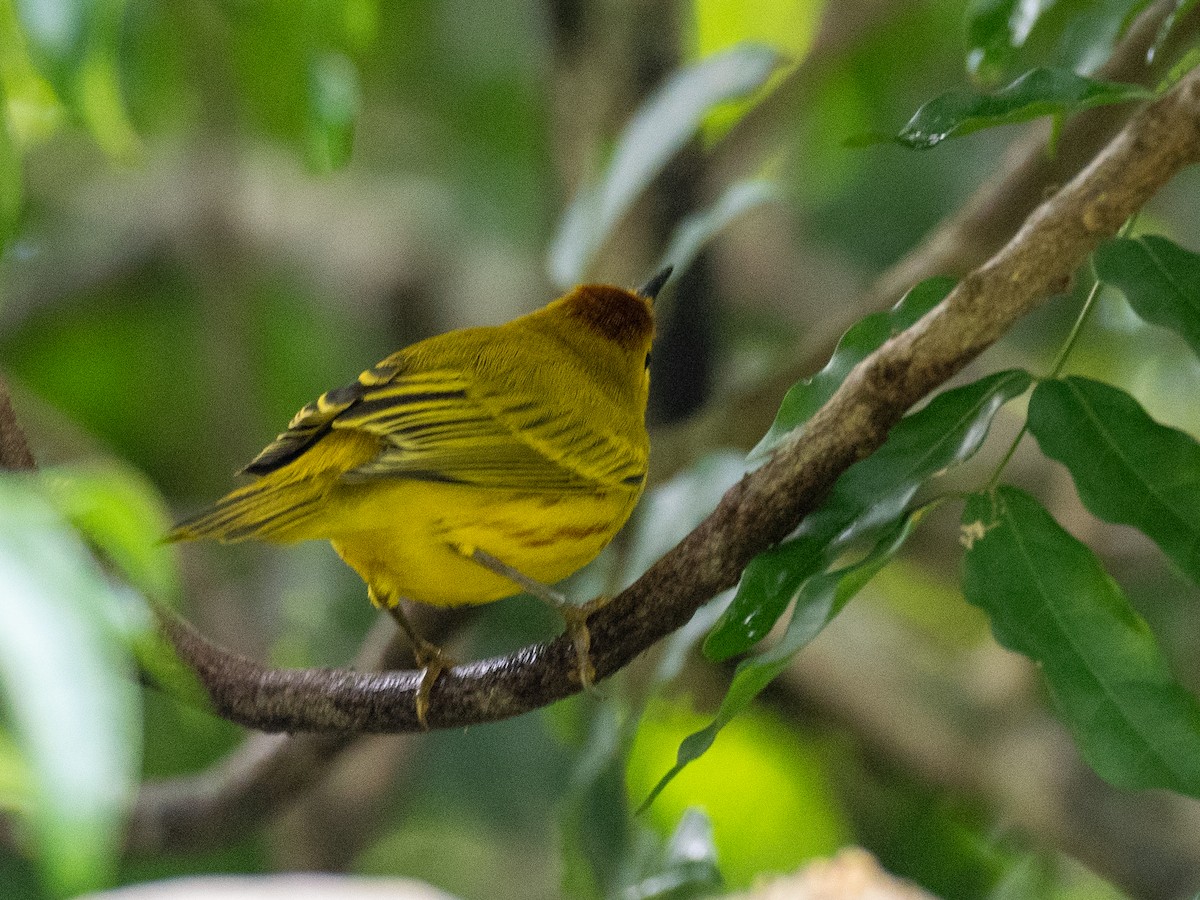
x: 430, y: 657
x: 574, y: 615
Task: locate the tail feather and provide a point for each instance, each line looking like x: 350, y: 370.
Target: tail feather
x: 264, y: 510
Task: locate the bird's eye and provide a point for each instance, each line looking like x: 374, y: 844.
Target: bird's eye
x: 647, y: 359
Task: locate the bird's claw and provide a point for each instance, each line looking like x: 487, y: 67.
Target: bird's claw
x: 433, y: 661
x: 581, y: 638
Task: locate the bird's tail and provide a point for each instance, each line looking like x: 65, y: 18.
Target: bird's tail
x: 265, y: 510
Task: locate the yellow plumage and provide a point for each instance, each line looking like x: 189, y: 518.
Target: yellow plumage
x: 523, y: 443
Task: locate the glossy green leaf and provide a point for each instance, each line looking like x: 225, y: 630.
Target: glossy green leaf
x: 69, y: 688
x: 1048, y: 597
x: 995, y: 28
x: 1039, y: 92
x: 1160, y: 279
x: 1073, y: 34
x: 819, y: 599
x: 769, y: 583
x: 871, y: 494
x: 698, y: 229
x: 1127, y: 468
x: 659, y: 130
x: 862, y: 338
x: 333, y: 95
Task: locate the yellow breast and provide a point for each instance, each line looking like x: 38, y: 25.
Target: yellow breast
x: 412, y: 539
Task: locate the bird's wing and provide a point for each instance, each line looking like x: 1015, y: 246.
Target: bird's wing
x: 316, y: 420
x: 444, y: 425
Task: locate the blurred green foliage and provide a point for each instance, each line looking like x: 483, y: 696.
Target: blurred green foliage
x: 71, y: 704
x: 762, y: 772
x: 211, y: 212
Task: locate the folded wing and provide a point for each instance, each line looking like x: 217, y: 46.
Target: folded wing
x: 444, y: 425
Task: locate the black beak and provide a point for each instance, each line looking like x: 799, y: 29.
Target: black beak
x: 650, y: 289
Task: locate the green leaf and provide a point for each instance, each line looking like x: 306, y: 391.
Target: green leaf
x: 11, y: 199
x: 32, y: 111
x: 56, y: 32
x: 1186, y: 62
x: 99, y: 102
x: 716, y: 25
x: 819, y: 599
x: 68, y: 686
x: 16, y: 785
x: 995, y: 28
x: 1048, y: 598
x: 1127, y: 468
x: 698, y: 229
x: 862, y: 338
x: 124, y: 517
x: 687, y: 867
x: 659, y: 130
x: 768, y: 585
x: 1039, y: 92
x: 870, y: 495
x: 1073, y: 34
x: 333, y: 100
x: 76, y: 44
x: 1160, y: 279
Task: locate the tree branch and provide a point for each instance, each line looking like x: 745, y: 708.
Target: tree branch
x: 960, y: 242
x: 202, y: 811
x: 765, y: 506
x: 15, y: 454
x: 266, y: 772
x: 994, y: 212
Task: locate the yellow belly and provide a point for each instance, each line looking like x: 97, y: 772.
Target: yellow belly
x: 411, y: 539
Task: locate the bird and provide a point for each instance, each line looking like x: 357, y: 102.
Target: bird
x: 468, y: 467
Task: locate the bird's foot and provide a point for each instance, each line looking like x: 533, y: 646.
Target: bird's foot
x: 433, y: 660
x: 576, y: 617
x: 429, y: 656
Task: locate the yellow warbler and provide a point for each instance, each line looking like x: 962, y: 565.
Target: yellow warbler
x: 470, y: 466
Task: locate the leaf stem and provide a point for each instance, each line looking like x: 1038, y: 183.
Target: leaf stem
x: 1064, y: 353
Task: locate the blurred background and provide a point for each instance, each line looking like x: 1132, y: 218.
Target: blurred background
x: 230, y: 206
